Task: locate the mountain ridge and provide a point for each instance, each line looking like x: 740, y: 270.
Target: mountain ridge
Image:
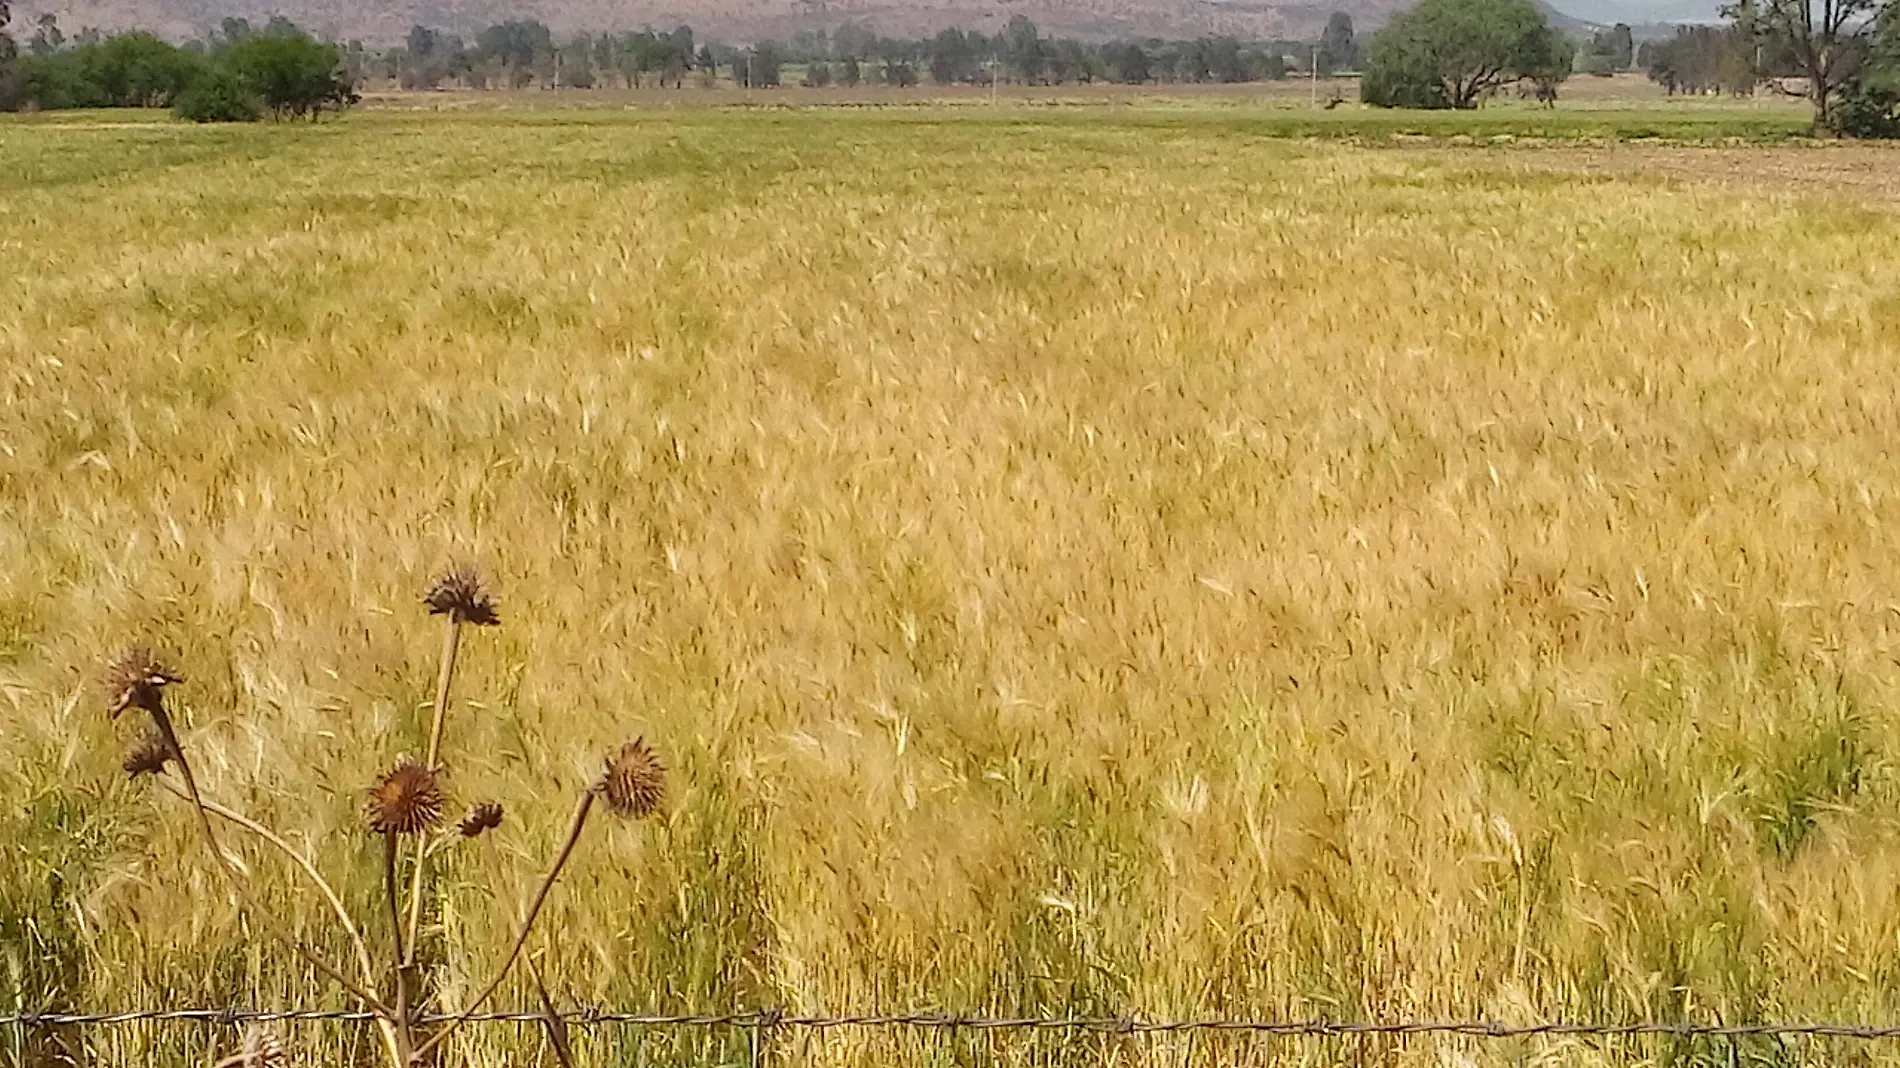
x: 737, y: 21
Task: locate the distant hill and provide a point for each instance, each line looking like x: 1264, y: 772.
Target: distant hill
x: 1568, y: 23
x: 734, y: 20
x: 739, y: 21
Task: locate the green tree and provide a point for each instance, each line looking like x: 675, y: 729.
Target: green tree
x: 294, y: 75
x: 1870, y: 104
x: 1828, y: 40
x: 138, y: 70
x: 1452, y: 53
x: 1702, y: 59
x: 7, y: 48
x: 47, y: 39
x: 1337, y: 48
x: 231, y: 31
x: 1023, y: 49
x: 954, y: 57
x: 1618, y: 45
x: 519, y: 47
x: 1127, y: 63
x: 218, y: 96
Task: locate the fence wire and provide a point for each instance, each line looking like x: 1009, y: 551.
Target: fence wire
x: 766, y: 1019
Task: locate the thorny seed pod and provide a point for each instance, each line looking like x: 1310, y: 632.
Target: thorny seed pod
x: 633, y: 782
x: 460, y: 594
x: 149, y: 755
x: 483, y: 817
x: 406, y: 800
x: 137, y: 679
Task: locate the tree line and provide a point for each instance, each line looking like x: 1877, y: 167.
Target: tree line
x: 240, y: 75
x: 1844, y: 55
x: 239, y: 71
x: 519, y: 54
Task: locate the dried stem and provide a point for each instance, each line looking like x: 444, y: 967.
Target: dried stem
x: 527, y: 925
x: 404, y: 1036
x: 323, y: 886
x: 555, y: 1027
x: 316, y: 878
x: 451, y: 643
x: 550, y: 1018
x: 445, y: 676
x: 259, y: 914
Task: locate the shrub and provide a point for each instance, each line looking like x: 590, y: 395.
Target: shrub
x: 294, y: 75
x: 218, y: 96
x: 1867, y: 111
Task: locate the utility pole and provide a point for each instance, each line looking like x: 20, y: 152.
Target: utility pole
x: 1316, y: 75
x: 996, y: 71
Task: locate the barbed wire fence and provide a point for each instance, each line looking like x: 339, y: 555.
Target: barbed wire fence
x: 760, y: 1025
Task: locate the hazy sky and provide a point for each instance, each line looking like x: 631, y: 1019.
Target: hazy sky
x: 1634, y: 11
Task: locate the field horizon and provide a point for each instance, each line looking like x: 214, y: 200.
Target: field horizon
x: 1102, y: 561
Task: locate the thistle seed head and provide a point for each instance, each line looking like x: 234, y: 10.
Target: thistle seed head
x: 137, y: 679
x: 148, y: 755
x: 459, y: 594
x: 633, y: 782
x: 406, y: 800
x: 480, y: 819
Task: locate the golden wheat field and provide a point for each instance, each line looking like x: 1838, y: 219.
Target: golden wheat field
x: 1097, y: 564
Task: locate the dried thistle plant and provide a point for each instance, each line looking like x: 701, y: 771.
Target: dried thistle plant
x: 149, y: 755
x: 480, y: 820
x: 460, y: 594
x: 137, y: 679
x: 406, y: 800
x: 403, y: 805
x: 633, y: 781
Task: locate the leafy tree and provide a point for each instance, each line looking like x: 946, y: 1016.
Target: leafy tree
x: 768, y: 59
x: 138, y: 70
x: 1870, y: 104
x: 294, y: 75
x: 231, y: 31
x: 47, y: 39
x: 520, y: 47
x: 1337, y: 48
x: 1702, y: 59
x: 1828, y: 40
x: 955, y: 57
x: 218, y: 96
x: 817, y: 74
x: 853, y: 40
x: 12, y: 85
x: 1452, y: 53
x: 1023, y: 49
x: 850, y: 74
x: 7, y: 48
x: 1127, y: 64
x: 1618, y: 46
x: 430, y: 58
